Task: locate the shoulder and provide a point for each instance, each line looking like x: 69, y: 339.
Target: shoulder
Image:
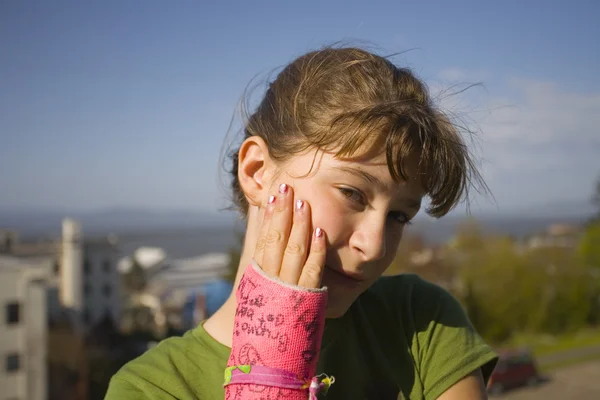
x: 423, y: 307
x: 149, y: 374
x: 169, y: 370
x: 413, y: 307
x: 444, y: 344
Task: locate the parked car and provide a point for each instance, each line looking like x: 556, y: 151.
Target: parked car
x: 514, y: 369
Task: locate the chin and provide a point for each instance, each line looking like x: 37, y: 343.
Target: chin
x: 334, y: 310
x: 335, y: 313
x: 340, y: 300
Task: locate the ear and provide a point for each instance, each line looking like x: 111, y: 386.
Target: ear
x: 254, y: 168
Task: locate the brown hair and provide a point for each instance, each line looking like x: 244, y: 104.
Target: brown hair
x: 349, y: 100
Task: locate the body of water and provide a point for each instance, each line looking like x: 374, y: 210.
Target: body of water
x: 183, y: 243
x: 190, y: 242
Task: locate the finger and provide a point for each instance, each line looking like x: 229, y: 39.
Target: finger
x: 296, y: 249
x: 279, y: 231
x: 312, y: 273
x: 264, y: 229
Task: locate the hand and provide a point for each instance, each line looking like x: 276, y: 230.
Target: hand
x: 280, y: 326
x: 287, y: 246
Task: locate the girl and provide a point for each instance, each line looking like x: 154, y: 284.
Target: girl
x: 335, y: 162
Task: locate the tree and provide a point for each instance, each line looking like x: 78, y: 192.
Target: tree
x: 589, y: 247
x: 507, y: 289
x: 589, y: 252
x: 469, y: 236
x: 565, y: 302
x: 408, y: 245
x: 498, y: 287
x: 596, y: 198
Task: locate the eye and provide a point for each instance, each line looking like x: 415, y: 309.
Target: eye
x: 400, y: 218
x: 353, y: 195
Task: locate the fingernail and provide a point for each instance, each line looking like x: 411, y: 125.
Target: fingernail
x: 299, y: 204
x: 271, y: 199
x: 283, y: 188
x: 318, y: 232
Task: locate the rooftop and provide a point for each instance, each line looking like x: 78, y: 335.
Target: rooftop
x: 9, y: 263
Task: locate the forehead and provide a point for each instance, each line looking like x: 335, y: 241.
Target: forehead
x: 373, y: 168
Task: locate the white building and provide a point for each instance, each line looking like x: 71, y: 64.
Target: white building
x: 23, y: 328
x: 170, y: 283
x: 193, y: 272
x: 87, y: 275
x: 557, y: 235
x: 44, y: 282
x: 150, y: 259
x: 101, y: 284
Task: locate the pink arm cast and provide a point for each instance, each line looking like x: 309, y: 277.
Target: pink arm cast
x: 276, y: 325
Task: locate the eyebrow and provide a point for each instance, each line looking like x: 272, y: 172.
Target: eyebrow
x: 411, y: 203
x: 373, y: 180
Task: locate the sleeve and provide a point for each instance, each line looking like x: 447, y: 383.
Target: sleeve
x: 447, y: 346
x: 131, y: 387
x: 122, y: 389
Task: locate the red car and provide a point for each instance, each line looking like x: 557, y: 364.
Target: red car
x: 514, y: 368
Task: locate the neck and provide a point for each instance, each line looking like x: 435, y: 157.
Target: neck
x: 220, y: 324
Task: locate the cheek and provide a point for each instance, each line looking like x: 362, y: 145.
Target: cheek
x: 392, y: 243
x: 329, y: 215
x: 394, y: 240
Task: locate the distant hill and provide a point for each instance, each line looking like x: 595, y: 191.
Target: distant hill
x: 125, y: 221
x: 48, y: 222
x: 438, y: 231
x: 516, y: 222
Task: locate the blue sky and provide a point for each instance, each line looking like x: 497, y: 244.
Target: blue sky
x: 127, y: 103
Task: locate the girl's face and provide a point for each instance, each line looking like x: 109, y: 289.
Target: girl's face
x: 362, y: 210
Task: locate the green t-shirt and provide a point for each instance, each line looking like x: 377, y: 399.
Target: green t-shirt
x: 402, y: 335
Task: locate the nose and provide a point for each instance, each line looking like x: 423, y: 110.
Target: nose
x: 368, y: 239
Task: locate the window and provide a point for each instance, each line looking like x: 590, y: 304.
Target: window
x: 7, y: 244
x: 13, y: 313
x: 107, y: 290
x: 106, y: 266
x: 13, y: 362
x: 87, y: 267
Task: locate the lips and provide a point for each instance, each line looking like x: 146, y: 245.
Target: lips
x: 346, y: 275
